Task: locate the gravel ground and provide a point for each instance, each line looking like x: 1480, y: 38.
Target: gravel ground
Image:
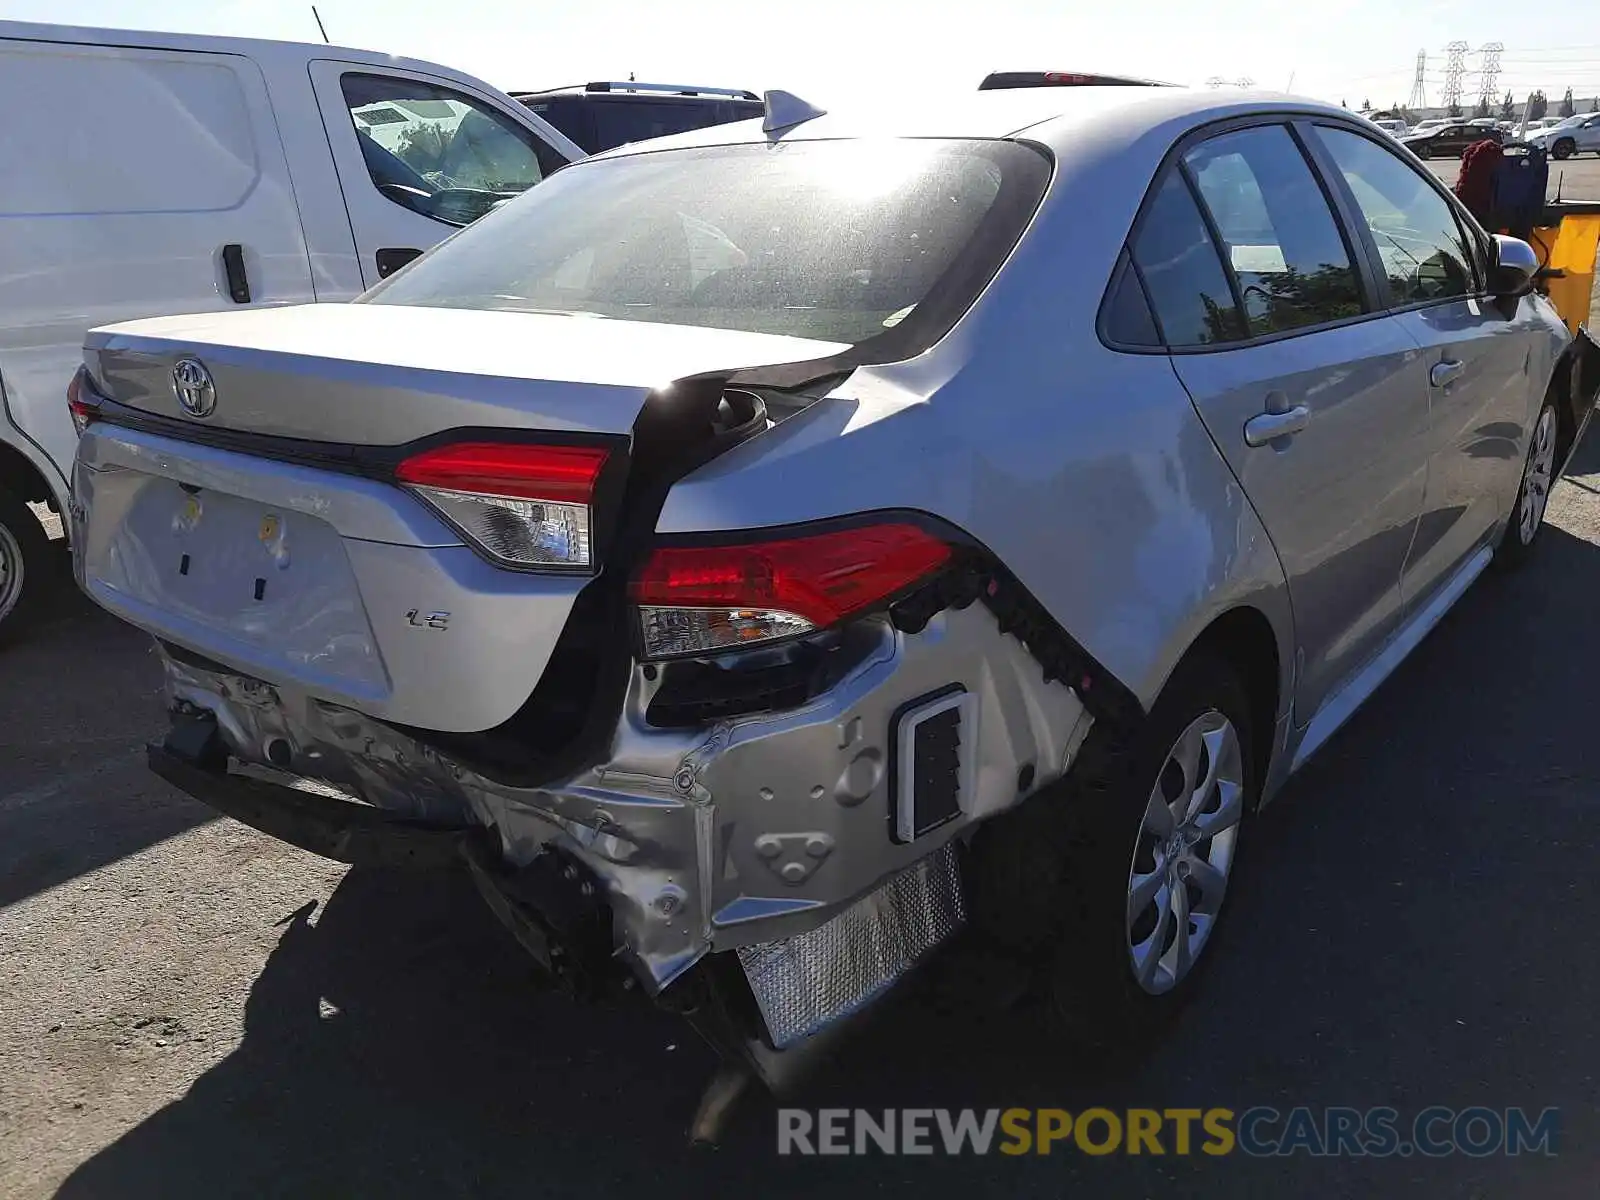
x: 193, y: 1010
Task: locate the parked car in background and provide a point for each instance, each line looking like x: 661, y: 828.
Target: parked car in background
x: 1392, y: 126
x: 677, y: 560
x: 1448, y: 141
x: 1429, y: 124
x: 1578, y: 134
x: 602, y: 116
x: 160, y: 173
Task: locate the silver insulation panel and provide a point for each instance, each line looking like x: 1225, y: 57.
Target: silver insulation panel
x: 805, y: 983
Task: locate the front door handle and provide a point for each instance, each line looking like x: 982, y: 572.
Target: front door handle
x: 1268, y: 426
x: 1446, y: 372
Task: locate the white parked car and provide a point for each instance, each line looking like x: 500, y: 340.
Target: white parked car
x: 170, y: 174
x: 1392, y: 125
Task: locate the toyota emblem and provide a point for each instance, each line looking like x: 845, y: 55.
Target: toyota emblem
x: 191, y: 384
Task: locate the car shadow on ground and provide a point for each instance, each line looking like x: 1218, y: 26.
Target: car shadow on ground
x: 1413, y: 927
x: 74, y: 793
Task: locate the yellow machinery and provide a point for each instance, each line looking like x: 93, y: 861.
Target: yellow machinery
x: 1567, y: 237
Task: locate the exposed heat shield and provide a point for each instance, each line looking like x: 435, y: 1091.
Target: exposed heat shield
x: 805, y: 983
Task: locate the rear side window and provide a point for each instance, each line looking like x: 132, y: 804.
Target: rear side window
x: 1127, y: 319
x: 569, y: 116
x: 619, y: 122
x: 1179, y: 262
x: 1277, y: 231
x: 1425, y: 255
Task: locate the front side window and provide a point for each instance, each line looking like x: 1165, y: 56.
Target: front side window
x: 1425, y: 255
x: 1179, y: 262
x: 439, y: 152
x: 1277, y: 231
x: 841, y: 241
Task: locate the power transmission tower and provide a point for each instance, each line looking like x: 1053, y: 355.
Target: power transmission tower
x: 1455, y: 66
x: 1419, y: 89
x: 1489, y: 73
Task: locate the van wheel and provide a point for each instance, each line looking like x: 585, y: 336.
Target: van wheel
x: 1424, y: 151
x: 24, y: 565
x: 1563, y: 148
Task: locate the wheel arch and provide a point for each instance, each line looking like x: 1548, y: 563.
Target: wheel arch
x: 1245, y: 639
x: 21, y: 478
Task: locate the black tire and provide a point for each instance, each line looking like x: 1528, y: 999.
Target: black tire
x: 1563, y: 149
x: 1052, y: 879
x: 1424, y: 151
x: 25, y: 567
x: 1516, y: 543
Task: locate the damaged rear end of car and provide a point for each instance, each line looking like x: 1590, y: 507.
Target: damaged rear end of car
x: 403, y: 563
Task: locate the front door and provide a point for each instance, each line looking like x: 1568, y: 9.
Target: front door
x: 419, y: 158
x: 1475, y: 365
x: 1307, y: 388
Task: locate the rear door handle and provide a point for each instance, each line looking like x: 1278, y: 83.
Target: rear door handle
x: 1446, y: 372
x: 1265, y: 427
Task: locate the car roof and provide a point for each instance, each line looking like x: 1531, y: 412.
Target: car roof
x: 1050, y: 115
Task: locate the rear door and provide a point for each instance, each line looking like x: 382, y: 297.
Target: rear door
x: 1475, y: 368
x: 418, y: 157
x: 137, y: 183
x: 1308, y: 389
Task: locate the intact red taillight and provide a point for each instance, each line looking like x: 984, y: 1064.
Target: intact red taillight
x: 524, y: 505
x: 700, y: 599
x: 85, y: 410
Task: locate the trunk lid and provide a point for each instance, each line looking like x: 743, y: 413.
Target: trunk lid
x: 380, y: 374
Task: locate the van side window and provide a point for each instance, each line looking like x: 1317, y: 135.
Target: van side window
x: 1277, y: 230
x: 1179, y: 262
x: 439, y: 152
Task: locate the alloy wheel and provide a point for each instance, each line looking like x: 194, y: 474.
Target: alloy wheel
x: 1185, y: 852
x: 1537, y: 476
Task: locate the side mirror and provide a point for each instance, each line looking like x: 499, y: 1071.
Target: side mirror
x: 1516, y: 266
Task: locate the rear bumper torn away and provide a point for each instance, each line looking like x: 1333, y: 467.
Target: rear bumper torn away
x: 809, y: 856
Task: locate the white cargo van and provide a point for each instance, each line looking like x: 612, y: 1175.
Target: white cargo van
x: 147, y: 174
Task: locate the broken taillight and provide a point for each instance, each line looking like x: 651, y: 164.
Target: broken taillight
x: 81, y: 402
x: 524, y: 505
x: 707, y: 599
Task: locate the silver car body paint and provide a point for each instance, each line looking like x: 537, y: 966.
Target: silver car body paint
x: 1109, y: 483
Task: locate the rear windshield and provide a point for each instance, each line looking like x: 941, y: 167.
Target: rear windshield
x: 843, y: 241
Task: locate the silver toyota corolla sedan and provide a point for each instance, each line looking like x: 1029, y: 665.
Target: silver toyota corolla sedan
x: 757, y: 554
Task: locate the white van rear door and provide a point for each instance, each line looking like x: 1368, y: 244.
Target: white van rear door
x: 129, y: 173
x: 420, y: 156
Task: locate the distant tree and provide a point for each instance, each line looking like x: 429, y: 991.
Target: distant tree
x: 1594, y: 105
x: 1453, y: 111
x: 1566, y: 109
x: 1537, y: 106
x: 1404, y: 113
x: 1366, y: 106
x: 1508, y: 107
x: 1342, y: 104
x: 1483, y: 107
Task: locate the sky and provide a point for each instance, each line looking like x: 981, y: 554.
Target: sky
x: 827, y: 50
